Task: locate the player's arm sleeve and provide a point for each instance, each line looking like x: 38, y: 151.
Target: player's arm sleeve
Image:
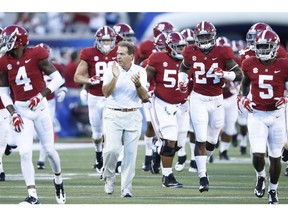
x: 56, y: 81
x: 5, y: 96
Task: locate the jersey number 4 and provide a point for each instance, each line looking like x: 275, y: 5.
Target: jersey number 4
x: 23, y: 79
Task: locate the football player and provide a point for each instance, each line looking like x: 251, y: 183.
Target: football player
x: 210, y: 65
x: 152, y: 158
x: 265, y: 81
x: 244, y: 54
x: 21, y: 69
x: 169, y: 107
x: 93, y: 62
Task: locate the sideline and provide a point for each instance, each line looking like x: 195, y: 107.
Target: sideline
x: 64, y: 145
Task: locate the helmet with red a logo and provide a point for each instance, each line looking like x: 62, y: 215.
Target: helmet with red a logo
x: 105, y: 39
x: 188, y: 35
x: 253, y: 31
x: 12, y: 37
x: 267, y: 44
x: 124, y: 33
x: 160, y: 42
x: 163, y: 27
x: 205, y: 35
x: 175, y: 43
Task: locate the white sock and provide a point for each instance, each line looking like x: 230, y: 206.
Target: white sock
x: 201, y: 165
x: 148, y: 145
x: 261, y: 173
x: 166, y: 171
x: 224, y: 146
x: 58, y: 179
x: 32, y: 192
x: 272, y: 186
x: 192, y: 148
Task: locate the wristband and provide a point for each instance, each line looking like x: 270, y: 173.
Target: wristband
x: 229, y: 75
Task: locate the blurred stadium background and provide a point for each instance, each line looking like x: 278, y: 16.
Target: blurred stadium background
x: 67, y: 33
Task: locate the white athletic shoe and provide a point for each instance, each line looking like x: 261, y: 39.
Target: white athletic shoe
x: 109, y: 185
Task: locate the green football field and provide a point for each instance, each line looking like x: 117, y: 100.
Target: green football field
x: 231, y: 182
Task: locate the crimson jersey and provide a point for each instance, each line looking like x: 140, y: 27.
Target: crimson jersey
x: 205, y: 82
x: 97, y: 63
x: 24, y: 75
x: 136, y: 54
x: 151, y: 82
x: 146, y: 48
x: 166, y: 78
x: 267, y: 82
x: 247, y: 52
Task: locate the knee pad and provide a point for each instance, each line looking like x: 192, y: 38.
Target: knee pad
x: 167, y: 150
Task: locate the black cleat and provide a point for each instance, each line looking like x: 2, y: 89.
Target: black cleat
x: 127, y: 195
x: 155, y: 163
x: 98, y: 166
x: 60, y: 194
x: 40, y: 165
x: 147, y: 164
x: 273, y: 197
x: 204, y: 184
x: 259, y: 190
x: 32, y: 200
x: 179, y: 166
x: 223, y: 155
x: 2, y: 176
x: 170, y: 181
x: 193, y: 166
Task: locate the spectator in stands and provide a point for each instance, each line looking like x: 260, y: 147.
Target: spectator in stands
x: 96, y: 21
x: 81, y: 23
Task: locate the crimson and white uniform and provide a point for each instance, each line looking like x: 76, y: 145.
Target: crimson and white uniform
x: 266, y: 122
x: 206, y: 99
x: 97, y: 64
x: 169, y: 113
x: 26, y: 80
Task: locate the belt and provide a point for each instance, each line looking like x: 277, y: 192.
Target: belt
x: 124, y: 109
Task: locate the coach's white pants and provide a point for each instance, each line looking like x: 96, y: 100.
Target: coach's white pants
x: 121, y: 127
